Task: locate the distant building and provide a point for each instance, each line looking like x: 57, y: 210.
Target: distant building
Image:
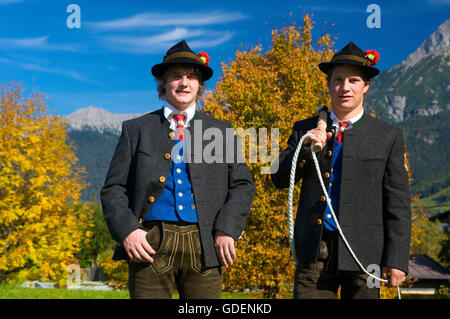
x: 428, y: 275
x: 443, y: 218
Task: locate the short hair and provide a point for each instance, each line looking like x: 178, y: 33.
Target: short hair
x: 184, y: 69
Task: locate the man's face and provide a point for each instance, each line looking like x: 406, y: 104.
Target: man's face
x: 347, y: 88
x: 181, y: 88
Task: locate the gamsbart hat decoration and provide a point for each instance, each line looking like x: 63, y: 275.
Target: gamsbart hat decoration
x: 181, y: 53
x: 351, y: 54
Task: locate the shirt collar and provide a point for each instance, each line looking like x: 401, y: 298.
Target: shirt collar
x: 169, y: 110
x: 351, y: 121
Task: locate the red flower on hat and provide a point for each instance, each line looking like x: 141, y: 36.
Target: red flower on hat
x: 204, y: 57
x: 373, y: 56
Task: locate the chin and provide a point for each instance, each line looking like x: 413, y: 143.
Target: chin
x: 344, y: 107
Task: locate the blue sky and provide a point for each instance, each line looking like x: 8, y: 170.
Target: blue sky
x: 106, y: 63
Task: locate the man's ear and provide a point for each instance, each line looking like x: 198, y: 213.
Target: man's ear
x: 366, y: 87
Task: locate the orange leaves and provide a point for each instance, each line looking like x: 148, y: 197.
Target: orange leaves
x: 270, y: 89
x: 40, y: 229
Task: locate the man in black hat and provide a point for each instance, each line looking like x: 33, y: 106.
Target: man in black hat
x: 362, y: 165
x: 173, y: 216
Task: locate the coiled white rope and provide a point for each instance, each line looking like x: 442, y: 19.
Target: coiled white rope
x: 291, y: 214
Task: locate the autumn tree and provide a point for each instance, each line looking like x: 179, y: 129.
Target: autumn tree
x: 265, y: 90
x: 41, y: 223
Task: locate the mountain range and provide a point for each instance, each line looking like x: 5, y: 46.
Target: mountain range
x: 414, y: 95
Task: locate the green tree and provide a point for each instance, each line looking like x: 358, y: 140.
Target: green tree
x: 99, y: 241
x: 427, y: 237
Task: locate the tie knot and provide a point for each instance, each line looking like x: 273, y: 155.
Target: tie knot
x: 343, y: 125
x: 179, y: 118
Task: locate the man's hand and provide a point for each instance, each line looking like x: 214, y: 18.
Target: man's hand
x: 225, y: 248
x: 318, y: 136
x: 396, y: 278
x: 137, y: 246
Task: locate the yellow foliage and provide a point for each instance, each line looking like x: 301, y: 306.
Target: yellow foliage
x: 270, y: 90
x: 40, y: 226
x: 117, y: 271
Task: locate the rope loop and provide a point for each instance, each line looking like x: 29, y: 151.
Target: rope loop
x: 328, y: 200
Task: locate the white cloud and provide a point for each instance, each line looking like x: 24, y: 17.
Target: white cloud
x: 44, y: 69
x: 211, y: 42
x: 200, y: 38
x: 155, y: 19
x: 5, y: 2
x: 39, y: 43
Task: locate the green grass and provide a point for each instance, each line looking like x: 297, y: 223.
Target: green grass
x: 15, y: 292
x: 440, y: 198
x: 436, y: 203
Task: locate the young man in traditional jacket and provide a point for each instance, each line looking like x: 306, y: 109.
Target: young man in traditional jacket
x: 175, y: 214
x: 362, y: 165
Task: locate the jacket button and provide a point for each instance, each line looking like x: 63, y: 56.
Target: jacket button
x: 330, y: 153
x: 302, y: 163
x: 319, y: 221
x: 323, y: 198
x: 171, y: 135
x: 162, y: 179
x: 326, y: 174
x: 140, y: 220
x: 151, y: 199
x: 167, y: 156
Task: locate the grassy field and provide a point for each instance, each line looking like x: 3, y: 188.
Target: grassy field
x: 15, y: 292
x: 437, y: 202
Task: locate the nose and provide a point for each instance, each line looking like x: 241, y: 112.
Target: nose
x: 346, y: 85
x: 184, y: 80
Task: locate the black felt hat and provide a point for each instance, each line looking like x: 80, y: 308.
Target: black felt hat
x: 180, y: 53
x: 353, y: 55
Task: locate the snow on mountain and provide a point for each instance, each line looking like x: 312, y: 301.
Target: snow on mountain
x: 98, y: 119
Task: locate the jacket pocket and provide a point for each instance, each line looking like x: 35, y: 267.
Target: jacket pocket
x: 143, y: 153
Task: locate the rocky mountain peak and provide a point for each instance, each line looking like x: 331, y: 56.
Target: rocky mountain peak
x: 97, y: 119
x: 438, y: 43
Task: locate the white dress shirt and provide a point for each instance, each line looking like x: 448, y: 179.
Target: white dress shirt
x: 169, y: 111
x: 350, y: 121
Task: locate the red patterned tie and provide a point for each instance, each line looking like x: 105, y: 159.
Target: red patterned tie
x: 180, y: 126
x: 340, y: 134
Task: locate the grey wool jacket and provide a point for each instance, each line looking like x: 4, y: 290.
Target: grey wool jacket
x: 374, y: 206
x: 223, y: 189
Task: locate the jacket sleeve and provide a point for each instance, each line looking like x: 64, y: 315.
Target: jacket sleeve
x: 281, y: 168
x: 231, y: 219
x: 114, y: 196
x: 396, y: 208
